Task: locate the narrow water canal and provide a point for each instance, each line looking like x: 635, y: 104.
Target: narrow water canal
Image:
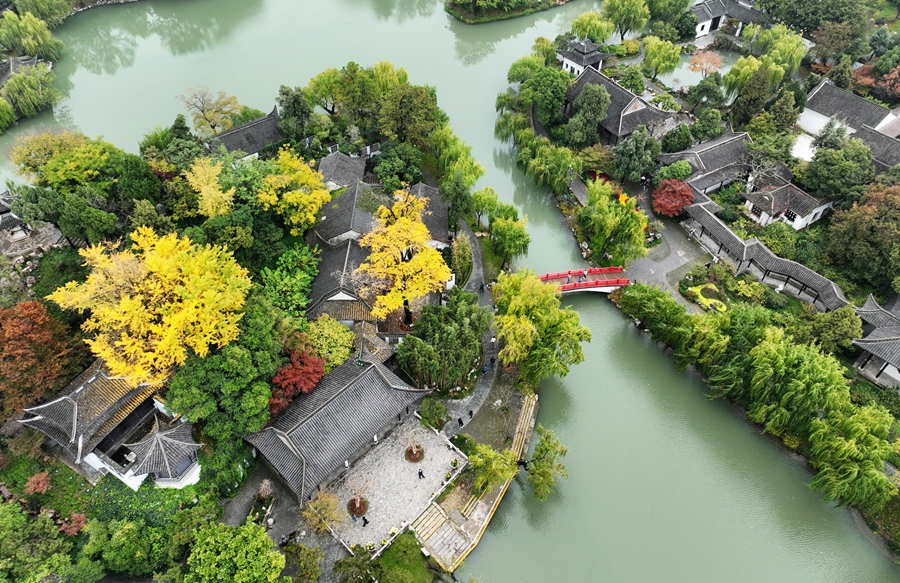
x: 665, y: 485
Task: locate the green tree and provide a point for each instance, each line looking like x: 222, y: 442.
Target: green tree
x: 708, y: 125
x: 591, y: 25
x: 590, y: 109
x: 295, y: 110
x: 613, y: 226
x: 358, y: 567
x: 484, y: 202
x: 632, y: 79
x: 522, y: 69
x: 7, y: 115
x: 802, y: 16
x: 288, y: 285
x: 835, y: 172
x: 330, y: 340
x: 546, y: 90
x: 539, y: 336
x: 752, y: 97
x: 636, y: 156
x: 740, y: 73
x: 679, y: 170
x: 627, y: 15
x: 455, y: 192
x: 677, y: 139
x: 31, y: 89
x: 832, y: 39
x: 222, y: 392
x: 708, y: 91
x: 492, y: 468
x: 864, y: 239
x: 304, y: 561
x: 832, y: 136
x: 545, y: 466
x: 783, y: 114
x: 409, y: 113
x: 842, y: 74
x: 28, y: 35
x: 510, y: 239
x: 244, y: 554
x: 660, y: 56
x: 26, y: 544
x: 397, y: 164
x: 53, y: 12
x: 831, y: 331
x: 849, y: 449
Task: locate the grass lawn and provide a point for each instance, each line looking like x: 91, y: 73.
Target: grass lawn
x: 492, y: 263
x: 708, y: 302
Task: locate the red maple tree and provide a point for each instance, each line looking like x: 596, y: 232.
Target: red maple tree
x: 72, y: 526
x: 38, y: 483
x: 670, y: 198
x: 300, y: 375
x: 37, y: 355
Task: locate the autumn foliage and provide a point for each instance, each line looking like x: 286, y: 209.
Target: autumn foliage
x: 38, y: 483
x: 72, y: 526
x: 300, y: 375
x: 37, y: 355
x: 705, y: 62
x: 671, y: 197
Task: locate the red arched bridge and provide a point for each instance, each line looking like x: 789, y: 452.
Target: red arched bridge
x: 595, y: 279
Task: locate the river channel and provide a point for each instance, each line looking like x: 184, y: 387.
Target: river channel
x: 665, y: 485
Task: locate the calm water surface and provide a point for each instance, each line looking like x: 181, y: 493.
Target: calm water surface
x: 665, y: 485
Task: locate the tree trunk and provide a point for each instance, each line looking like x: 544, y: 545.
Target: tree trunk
x: 407, y: 313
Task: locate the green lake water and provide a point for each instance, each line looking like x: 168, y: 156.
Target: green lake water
x: 665, y: 485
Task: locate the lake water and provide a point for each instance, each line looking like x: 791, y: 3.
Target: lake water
x: 665, y: 485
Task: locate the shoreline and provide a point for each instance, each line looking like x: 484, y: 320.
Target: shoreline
x: 501, y: 15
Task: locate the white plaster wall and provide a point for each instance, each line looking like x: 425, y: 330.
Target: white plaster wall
x: 812, y: 122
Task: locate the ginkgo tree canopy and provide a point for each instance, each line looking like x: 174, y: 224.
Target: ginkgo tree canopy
x: 401, y: 263
x: 151, y: 304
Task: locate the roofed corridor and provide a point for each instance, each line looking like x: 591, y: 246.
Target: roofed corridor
x: 595, y: 279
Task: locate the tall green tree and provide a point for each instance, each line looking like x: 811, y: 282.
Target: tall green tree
x: 591, y: 25
x: 752, y: 97
x: 627, y: 15
x: 708, y: 125
x: 538, y: 336
x: 545, y: 467
x: 842, y: 73
x: 546, y: 90
x: 836, y: 172
x: 31, y: 90
x: 613, y: 226
x: 295, y: 110
x: 53, y: 12
x: 28, y: 35
x: 455, y: 192
x: 660, y: 56
x: 484, y: 201
x: 409, y: 113
x: 358, y: 567
x: 491, y: 467
x: 510, y: 239
x: 677, y: 139
x: 783, y: 114
x: 591, y: 105
x: 244, y: 554
x: 708, y: 91
x: 636, y: 156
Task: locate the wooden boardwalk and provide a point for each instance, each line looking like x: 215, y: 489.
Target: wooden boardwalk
x: 449, y: 538
x: 595, y: 279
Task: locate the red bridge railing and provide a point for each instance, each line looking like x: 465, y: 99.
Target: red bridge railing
x: 592, y: 284
x: 591, y: 271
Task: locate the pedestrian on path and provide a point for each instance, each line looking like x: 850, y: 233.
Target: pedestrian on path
x: 365, y: 521
x: 493, y: 360
x: 460, y: 421
x: 354, y: 517
x: 493, y: 342
x: 471, y: 413
x: 484, y: 370
x: 421, y: 474
x: 568, y: 279
x: 481, y: 287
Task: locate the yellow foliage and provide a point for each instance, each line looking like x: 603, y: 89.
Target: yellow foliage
x: 32, y: 151
x: 204, y: 179
x: 400, y: 258
x: 150, y: 304
x: 295, y: 191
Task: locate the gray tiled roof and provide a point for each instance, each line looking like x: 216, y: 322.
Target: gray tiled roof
x: 716, y: 154
x: 711, y: 8
x: 252, y: 136
x: 163, y: 449
x: 786, y: 197
x: 323, y: 428
x: 7, y: 219
x: 584, y: 53
x: 891, y: 128
x: 91, y: 406
x: 336, y: 266
x: 376, y: 347
x: 437, y: 213
x: 885, y: 149
x: 344, y: 215
x: 872, y: 313
x: 883, y: 343
x: 830, y: 294
x: 832, y: 101
x: 342, y: 170
x: 626, y: 110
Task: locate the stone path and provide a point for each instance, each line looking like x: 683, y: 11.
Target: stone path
x: 459, y: 409
x: 676, y: 253
x: 395, y: 493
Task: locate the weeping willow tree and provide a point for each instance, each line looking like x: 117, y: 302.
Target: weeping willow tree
x: 53, y: 12
x: 29, y: 36
x: 613, y: 225
x: 31, y: 90
x: 849, y: 448
x: 455, y: 156
x: 7, y: 115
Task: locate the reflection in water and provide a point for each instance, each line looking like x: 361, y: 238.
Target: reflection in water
x: 536, y: 202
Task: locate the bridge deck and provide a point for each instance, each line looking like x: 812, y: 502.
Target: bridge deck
x: 597, y: 279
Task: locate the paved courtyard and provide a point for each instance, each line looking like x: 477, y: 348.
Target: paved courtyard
x: 395, y: 493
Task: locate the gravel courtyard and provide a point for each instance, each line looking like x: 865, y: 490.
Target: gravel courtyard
x: 395, y: 493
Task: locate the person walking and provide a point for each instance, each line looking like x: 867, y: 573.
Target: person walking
x: 493, y: 361
x: 568, y: 279
x: 484, y: 370
x: 493, y: 342
x: 471, y: 413
x: 365, y: 521
x: 481, y: 287
x: 421, y: 474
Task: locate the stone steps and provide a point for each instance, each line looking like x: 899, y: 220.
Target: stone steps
x: 429, y: 522
x: 448, y: 542
x: 470, y: 506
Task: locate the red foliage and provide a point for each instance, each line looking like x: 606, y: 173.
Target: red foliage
x: 820, y: 69
x: 38, y: 483
x: 670, y: 198
x: 890, y: 84
x: 72, y: 526
x: 301, y: 375
x: 36, y: 352
x: 864, y: 78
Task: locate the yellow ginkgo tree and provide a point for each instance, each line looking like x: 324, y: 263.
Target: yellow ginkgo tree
x: 152, y: 304
x: 204, y: 179
x: 295, y: 191
x: 401, y: 264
